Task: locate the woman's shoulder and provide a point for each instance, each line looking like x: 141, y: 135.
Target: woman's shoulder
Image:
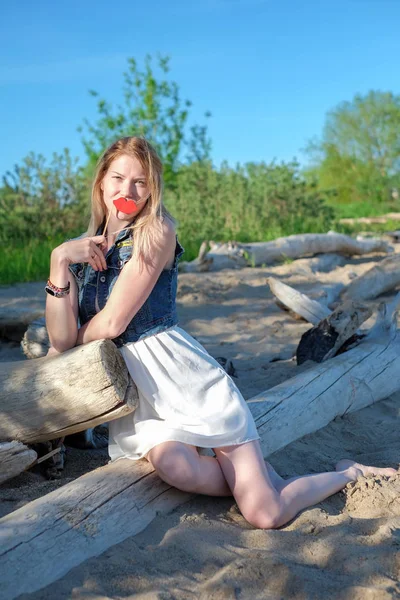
x: 168, y: 229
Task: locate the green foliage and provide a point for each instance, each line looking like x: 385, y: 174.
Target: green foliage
x: 151, y: 108
x: 40, y: 200
x: 256, y: 202
x: 355, y: 173
x: 27, y: 260
x: 358, y: 156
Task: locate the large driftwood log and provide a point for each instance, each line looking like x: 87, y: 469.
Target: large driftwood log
x: 236, y: 255
x: 15, y: 458
x: 51, y: 397
x: 382, y: 278
x: 49, y: 536
x: 309, y: 244
x: 42, y: 541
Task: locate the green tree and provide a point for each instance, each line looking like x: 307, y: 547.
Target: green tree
x: 358, y: 156
x: 40, y: 198
x: 152, y: 108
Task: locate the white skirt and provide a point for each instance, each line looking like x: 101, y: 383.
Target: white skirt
x: 184, y: 396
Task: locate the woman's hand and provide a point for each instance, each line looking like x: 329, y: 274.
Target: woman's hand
x: 85, y: 250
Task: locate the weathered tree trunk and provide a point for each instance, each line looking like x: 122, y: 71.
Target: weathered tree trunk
x: 45, y: 539
x: 309, y: 244
x: 15, y: 458
x: 383, y: 277
x: 235, y: 255
x: 51, y: 397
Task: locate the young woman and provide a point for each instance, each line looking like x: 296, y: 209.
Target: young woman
x: 121, y: 284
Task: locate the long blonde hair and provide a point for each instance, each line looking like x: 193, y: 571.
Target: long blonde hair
x: 147, y: 226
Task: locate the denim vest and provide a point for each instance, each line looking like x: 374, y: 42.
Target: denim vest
x: 94, y: 288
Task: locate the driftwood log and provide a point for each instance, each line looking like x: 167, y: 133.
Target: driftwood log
x: 371, y: 220
x: 300, y: 304
x: 331, y: 334
x: 15, y: 458
x: 35, y: 342
x: 235, y: 255
x: 51, y: 397
x: 46, y: 538
x: 220, y: 256
x: 383, y: 277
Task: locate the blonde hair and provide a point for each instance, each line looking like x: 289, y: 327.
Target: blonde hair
x: 147, y: 226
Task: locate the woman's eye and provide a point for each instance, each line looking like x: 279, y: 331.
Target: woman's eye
x: 116, y: 177
x: 141, y: 182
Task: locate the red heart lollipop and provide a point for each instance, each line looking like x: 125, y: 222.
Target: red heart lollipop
x: 126, y: 206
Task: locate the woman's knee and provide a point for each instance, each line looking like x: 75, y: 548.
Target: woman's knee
x: 264, y: 515
x: 175, y: 464
x: 264, y: 519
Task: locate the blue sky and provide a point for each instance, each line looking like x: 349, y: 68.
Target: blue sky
x: 268, y: 70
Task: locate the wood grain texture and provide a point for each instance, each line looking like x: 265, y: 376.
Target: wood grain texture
x: 43, y: 540
x: 46, y: 398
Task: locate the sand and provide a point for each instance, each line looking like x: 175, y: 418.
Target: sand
x: 347, y: 547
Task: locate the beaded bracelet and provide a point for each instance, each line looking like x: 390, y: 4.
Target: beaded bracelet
x: 57, y: 292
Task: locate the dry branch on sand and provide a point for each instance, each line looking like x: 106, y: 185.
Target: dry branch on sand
x: 233, y: 255
x: 114, y: 502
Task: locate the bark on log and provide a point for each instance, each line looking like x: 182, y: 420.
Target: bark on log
x: 310, y: 310
x: 15, y: 458
x: 45, y: 539
x: 324, y: 341
x: 382, y: 278
x: 235, y: 255
x: 51, y: 397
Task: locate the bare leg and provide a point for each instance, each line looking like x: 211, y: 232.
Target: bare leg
x: 181, y: 465
x: 265, y: 506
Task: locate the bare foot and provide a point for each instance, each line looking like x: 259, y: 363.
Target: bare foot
x: 356, y: 470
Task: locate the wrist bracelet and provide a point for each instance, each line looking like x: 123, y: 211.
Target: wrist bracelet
x: 57, y: 292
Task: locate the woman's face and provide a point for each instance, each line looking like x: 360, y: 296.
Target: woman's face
x: 125, y: 180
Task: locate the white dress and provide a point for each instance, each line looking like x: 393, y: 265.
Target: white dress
x: 184, y: 396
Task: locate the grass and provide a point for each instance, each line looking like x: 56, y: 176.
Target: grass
x: 28, y: 261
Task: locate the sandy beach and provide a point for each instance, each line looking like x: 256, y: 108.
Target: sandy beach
x: 347, y: 547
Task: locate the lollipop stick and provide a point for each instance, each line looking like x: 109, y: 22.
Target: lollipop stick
x: 105, y: 226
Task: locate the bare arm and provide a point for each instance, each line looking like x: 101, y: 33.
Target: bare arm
x: 62, y: 313
x: 129, y: 293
